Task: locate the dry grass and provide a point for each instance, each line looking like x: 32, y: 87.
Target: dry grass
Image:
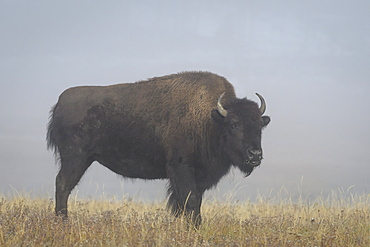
x: 25, y: 221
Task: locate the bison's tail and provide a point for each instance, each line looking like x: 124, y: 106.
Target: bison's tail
x: 51, y: 135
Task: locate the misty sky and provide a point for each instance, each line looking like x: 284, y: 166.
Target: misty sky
x: 309, y: 59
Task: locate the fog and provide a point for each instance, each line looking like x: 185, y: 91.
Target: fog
x: 310, y: 60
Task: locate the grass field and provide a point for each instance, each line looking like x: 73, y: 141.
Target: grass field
x: 332, y: 221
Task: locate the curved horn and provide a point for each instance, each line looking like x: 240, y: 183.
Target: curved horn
x: 263, y: 104
x: 220, y: 108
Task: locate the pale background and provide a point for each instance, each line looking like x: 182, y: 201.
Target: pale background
x: 309, y: 59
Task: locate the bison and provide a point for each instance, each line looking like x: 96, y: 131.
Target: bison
x: 189, y: 128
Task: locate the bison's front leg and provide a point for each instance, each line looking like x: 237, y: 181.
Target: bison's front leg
x: 184, y: 196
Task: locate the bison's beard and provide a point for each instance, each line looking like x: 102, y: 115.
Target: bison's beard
x: 247, y: 169
x: 244, y: 165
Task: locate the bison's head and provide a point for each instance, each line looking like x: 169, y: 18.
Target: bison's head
x: 240, y: 124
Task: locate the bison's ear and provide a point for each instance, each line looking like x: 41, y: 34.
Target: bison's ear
x: 265, y: 121
x: 217, y: 116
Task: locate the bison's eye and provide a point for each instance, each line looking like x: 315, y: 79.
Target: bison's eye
x: 235, y: 126
x: 234, y: 123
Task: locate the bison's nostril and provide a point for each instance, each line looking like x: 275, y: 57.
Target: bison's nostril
x: 255, y: 154
x: 255, y: 151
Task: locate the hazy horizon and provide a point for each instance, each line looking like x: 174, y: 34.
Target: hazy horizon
x: 309, y: 60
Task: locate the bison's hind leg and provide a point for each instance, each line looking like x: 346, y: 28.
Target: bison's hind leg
x: 71, y: 170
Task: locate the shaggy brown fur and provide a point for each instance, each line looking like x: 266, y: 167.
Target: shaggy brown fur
x: 164, y: 127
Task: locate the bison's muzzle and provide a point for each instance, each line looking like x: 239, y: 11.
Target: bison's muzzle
x: 254, y: 156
